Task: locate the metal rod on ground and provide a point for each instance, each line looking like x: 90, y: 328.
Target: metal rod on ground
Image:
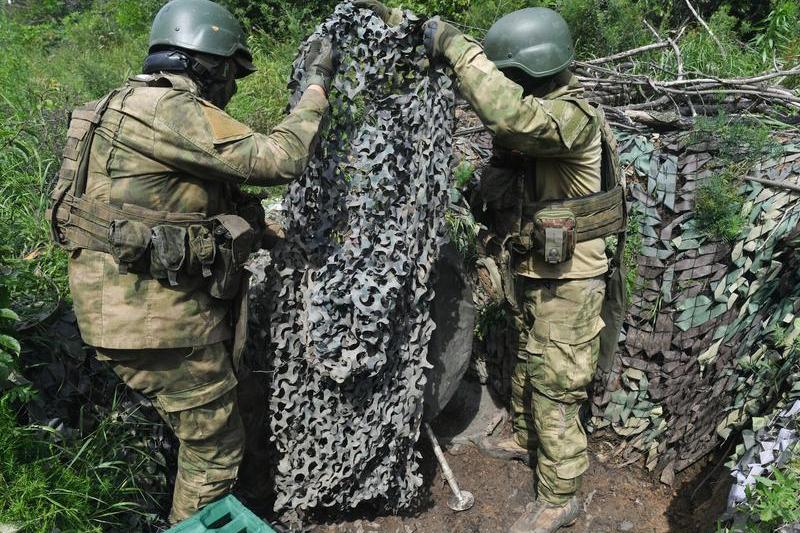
x: 461, y: 500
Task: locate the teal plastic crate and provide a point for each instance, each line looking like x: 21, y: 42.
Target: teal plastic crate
x: 227, y: 515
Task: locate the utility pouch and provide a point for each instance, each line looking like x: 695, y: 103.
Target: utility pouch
x: 201, y: 250
x: 234, y: 240
x: 129, y: 242
x: 168, y: 253
x: 250, y: 209
x: 555, y: 234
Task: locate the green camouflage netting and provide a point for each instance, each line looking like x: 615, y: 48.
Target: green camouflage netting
x: 709, y: 340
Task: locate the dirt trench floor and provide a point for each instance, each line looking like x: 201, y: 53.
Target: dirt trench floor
x: 615, y: 498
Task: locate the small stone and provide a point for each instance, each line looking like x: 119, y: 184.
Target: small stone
x: 626, y: 526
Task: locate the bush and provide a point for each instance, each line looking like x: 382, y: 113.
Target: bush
x: 774, y: 500
x: 718, y: 207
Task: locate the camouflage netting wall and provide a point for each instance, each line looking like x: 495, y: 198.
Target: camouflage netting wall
x: 709, y: 340
x: 712, y: 332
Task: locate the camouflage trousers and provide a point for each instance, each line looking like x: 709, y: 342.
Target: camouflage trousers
x: 195, y: 392
x: 558, y: 325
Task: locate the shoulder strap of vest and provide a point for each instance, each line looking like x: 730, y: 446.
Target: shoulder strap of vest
x: 610, y: 170
x: 93, y: 117
x: 74, y: 170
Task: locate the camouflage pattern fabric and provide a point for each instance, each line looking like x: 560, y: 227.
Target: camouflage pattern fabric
x: 709, y: 339
x: 160, y: 147
x: 559, y: 326
x: 194, y: 391
x: 347, y: 297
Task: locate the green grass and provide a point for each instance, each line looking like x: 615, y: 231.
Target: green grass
x: 91, y: 484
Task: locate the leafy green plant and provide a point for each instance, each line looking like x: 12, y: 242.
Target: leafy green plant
x: 463, y: 232
x: 463, y: 174
x: 774, y: 500
x: 453, y: 10
x: 718, y: 207
x: 779, y: 30
x: 736, y: 58
x: 489, y: 316
x: 738, y: 140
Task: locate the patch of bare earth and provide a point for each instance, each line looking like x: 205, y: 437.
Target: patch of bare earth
x: 615, y: 498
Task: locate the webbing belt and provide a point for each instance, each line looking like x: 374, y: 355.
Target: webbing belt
x: 86, y: 222
x: 598, y: 215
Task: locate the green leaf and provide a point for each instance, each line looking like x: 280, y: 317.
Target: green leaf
x: 6, y: 359
x: 8, y: 314
x: 11, y: 344
x: 767, y: 482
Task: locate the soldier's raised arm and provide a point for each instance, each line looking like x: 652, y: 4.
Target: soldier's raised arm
x: 212, y: 143
x: 524, y: 122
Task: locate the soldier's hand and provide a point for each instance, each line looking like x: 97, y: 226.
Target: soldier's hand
x: 437, y: 35
x: 320, y: 64
x: 380, y: 10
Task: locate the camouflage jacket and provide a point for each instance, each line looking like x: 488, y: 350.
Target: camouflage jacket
x: 560, y: 134
x: 160, y: 146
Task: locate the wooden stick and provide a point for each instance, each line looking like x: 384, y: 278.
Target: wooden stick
x: 777, y: 184
x: 629, y: 53
x: 703, y: 23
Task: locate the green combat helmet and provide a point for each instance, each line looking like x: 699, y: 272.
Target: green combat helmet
x: 201, y: 26
x: 535, y: 40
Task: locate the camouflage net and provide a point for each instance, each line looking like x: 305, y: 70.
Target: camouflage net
x: 347, y: 296
x: 701, y: 354
x: 768, y: 446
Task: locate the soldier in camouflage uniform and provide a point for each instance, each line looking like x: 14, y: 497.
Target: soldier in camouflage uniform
x: 148, y: 206
x: 552, y: 195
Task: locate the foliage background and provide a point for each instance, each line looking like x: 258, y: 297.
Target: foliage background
x: 60, y: 53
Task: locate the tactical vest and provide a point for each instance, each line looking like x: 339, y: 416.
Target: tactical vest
x: 552, y: 228
x: 161, y: 244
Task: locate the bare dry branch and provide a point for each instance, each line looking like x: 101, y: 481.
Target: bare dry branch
x: 707, y: 28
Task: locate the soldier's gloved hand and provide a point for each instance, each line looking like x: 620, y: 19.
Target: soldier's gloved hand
x: 437, y: 35
x: 320, y: 64
x: 386, y: 14
x: 380, y: 10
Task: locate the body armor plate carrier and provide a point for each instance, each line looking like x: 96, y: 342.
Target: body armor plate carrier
x: 161, y: 244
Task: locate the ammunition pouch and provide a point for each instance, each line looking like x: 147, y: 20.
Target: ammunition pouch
x: 234, y: 239
x: 202, y: 251
x: 168, y: 252
x: 552, y: 229
x: 555, y: 234
x: 129, y: 241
